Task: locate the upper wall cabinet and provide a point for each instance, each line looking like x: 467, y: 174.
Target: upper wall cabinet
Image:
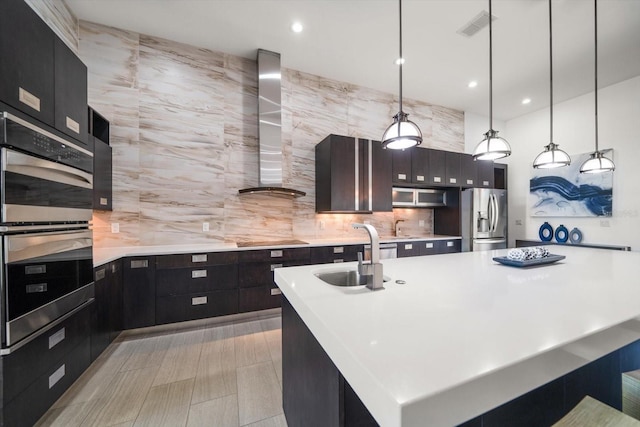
x: 39, y: 74
x: 485, y: 173
x: 70, y: 93
x: 352, y: 175
x: 27, y: 64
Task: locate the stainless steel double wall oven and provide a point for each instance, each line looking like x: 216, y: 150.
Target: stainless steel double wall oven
x: 46, y: 205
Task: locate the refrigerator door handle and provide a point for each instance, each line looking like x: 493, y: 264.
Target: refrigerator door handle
x: 489, y: 241
x: 490, y: 212
x: 496, y: 212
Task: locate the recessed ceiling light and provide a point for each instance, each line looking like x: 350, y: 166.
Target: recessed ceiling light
x: 472, y: 84
x: 400, y: 61
x: 297, y: 27
x: 526, y: 101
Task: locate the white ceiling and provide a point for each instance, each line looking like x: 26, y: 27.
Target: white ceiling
x: 357, y: 41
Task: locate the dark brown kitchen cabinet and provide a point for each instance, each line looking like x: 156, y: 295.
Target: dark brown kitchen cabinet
x: 35, y: 375
x: 500, y: 176
x: 27, y: 65
x: 258, y: 290
x: 139, y: 292
x: 102, y: 176
x: 452, y: 169
x: 468, y: 171
x: 106, y: 314
x: 437, y: 168
x: 485, y: 173
x: 102, y: 161
x: 428, y: 247
x: 409, y: 249
x: 419, y: 165
x: 401, y: 166
x: 70, y: 82
x: 196, y: 286
x: 352, y: 175
x: 335, y: 254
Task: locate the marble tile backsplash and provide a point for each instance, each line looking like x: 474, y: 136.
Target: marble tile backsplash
x: 185, y: 140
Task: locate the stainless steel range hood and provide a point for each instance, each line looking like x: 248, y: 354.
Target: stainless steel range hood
x: 270, y: 129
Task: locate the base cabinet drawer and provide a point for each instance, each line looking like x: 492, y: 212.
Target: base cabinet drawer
x: 335, y: 254
x: 186, y: 281
x: 407, y: 249
x: 23, y: 366
x: 178, y: 308
x: 26, y: 408
x: 450, y: 246
x: 259, y: 298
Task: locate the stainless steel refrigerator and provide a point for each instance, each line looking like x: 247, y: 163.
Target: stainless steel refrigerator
x: 484, y: 219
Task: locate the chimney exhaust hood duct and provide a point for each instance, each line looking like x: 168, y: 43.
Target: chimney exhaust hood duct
x: 270, y: 129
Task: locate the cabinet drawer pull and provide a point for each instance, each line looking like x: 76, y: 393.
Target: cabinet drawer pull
x: 338, y: 250
x: 453, y: 180
x: 29, y: 99
x: 485, y: 183
x: 56, y: 338
x: 36, y: 288
x: 437, y: 179
x: 275, y: 291
x: 199, y: 258
x: 429, y: 245
x: 100, y: 274
x: 408, y: 246
x: 420, y: 178
x: 104, y: 201
x: 56, y: 376
x: 35, y: 269
x: 276, y: 254
x: 336, y: 261
x: 73, y: 125
x: 197, y: 274
x: 449, y: 244
x: 114, y: 267
x: 469, y: 182
x: 140, y: 263
x: 274, y: 266
x: 198, y: 300
x: 402, y: 176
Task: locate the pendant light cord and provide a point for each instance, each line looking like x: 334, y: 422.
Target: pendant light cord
x: 550, y: 74
x: 401, y: 59
x: 490, y: 69
x: 595, y: 17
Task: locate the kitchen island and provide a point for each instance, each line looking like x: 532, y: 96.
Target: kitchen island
x: 463, y: 335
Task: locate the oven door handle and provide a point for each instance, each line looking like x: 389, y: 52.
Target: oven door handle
x: 26, y: 246
x: 23, y: 164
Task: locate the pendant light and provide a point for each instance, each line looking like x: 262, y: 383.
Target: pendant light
x: 402, y: 133
x: 552, y: 156
x: 597, y: 162
x: 492, y: 147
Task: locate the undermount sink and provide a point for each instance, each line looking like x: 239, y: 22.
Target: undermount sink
x: 343, y: 278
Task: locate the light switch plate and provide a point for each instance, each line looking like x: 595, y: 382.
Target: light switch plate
x: 115, y: 227
x: 421, y: 223
x: 205, y: 226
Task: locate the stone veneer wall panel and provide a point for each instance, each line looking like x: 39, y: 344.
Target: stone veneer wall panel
x: 184, y: 134
x: 60, y: 19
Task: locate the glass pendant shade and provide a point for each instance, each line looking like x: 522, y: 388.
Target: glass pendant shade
x: 551, y: 157
x: 402, y: 133
x: 492, y: 147
x: 597, y: 163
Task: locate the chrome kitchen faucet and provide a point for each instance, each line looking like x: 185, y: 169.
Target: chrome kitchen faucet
x: 371, y: 272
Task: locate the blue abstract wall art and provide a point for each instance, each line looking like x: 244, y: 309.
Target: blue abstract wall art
x: 565, y: 191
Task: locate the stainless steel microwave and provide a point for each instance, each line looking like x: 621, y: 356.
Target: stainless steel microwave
x: 418, y: 197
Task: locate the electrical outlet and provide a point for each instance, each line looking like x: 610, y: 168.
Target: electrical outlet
x: 321, y: 224
x: 115, y: 227
x: 604, y: 223
x: 205, y: 226
x: 421, y: 223
x: 518, y: 222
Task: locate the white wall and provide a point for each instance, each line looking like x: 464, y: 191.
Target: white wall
x: 619, y: 128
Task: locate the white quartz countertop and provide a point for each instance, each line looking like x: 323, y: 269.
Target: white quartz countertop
x: 104, y: 255
x: 465, y: 334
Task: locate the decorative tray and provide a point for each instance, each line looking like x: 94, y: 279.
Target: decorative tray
x: 551, y: 258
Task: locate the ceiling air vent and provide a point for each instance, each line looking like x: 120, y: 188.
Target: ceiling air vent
x: 478, y: 22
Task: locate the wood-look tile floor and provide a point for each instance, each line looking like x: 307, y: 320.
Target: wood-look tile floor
x: 191, y: 374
